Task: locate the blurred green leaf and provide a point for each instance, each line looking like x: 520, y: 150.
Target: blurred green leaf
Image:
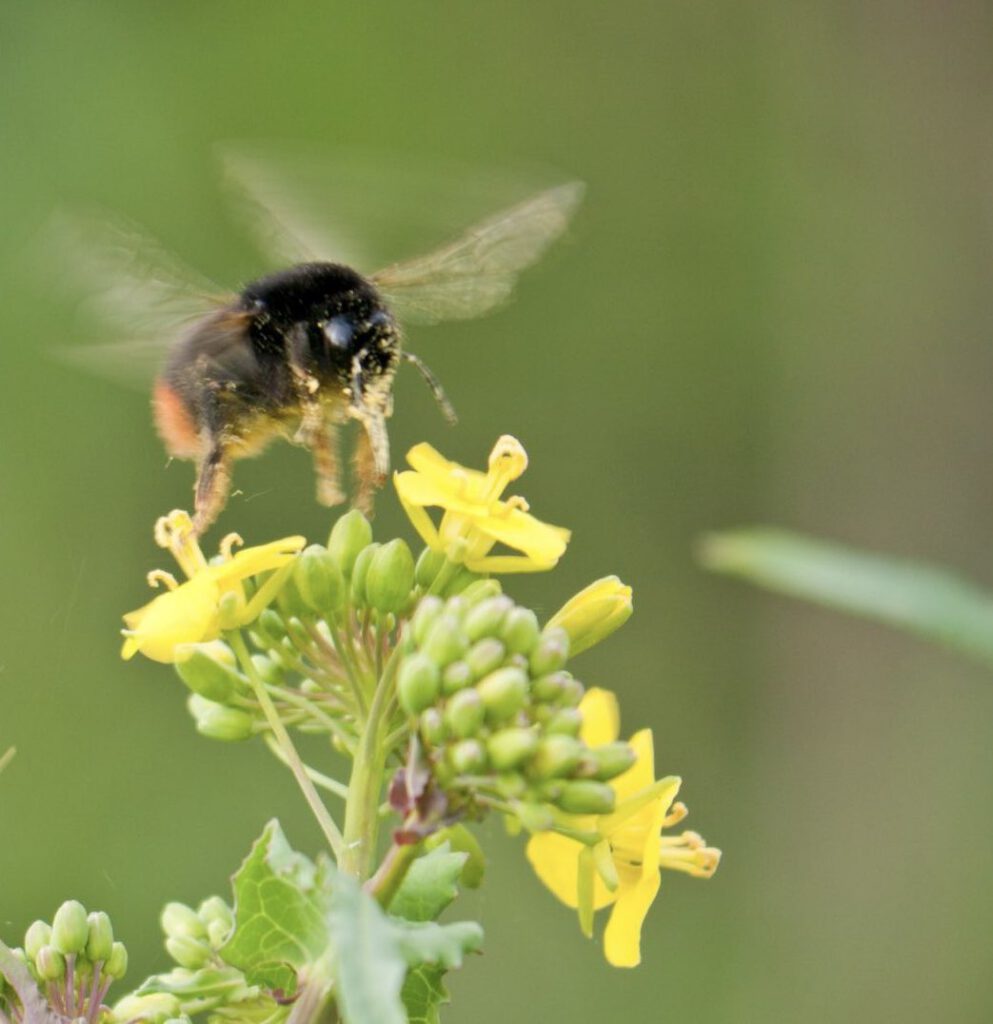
x: 443, y: 945
x: 430, y: 885
x: 423, y: 993
x: 930, y: 602
x: 280, y: 913
x: 369, y: 968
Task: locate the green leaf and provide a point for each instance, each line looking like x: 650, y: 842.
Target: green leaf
x: 441, y: 945
x: 369, y: 968
x: 34, y: 1008
x: 930, y: 602
x: 430, y: 885
x: 209, y: 986
x: 280, y: 913
x: 423, y: 993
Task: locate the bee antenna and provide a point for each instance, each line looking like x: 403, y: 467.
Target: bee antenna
x: 434, y: 384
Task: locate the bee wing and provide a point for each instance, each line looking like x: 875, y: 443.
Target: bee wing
x: 132, y: 290
x: 476, y: 273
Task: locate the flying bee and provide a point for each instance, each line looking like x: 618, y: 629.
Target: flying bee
x: 299, y: 352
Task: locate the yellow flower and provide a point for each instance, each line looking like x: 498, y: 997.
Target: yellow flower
x: 475, y: 517
x: 619, y: 864
x: 212, y: 598
x: 594, y: 613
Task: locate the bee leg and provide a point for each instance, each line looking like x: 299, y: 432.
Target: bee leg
x: 323, y: 443
x: 372, y: 460
x: 212, y: 486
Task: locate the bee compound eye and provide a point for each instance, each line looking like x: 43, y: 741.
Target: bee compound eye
x: 339, y: 331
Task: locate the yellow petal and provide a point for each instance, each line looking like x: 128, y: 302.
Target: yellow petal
x: 421, y: 490
x: 622, y: 938
x: 186, y: 615
x: 601, y: 717
x: 447, y: 475
x: 642, y: 772
x: 252, y: 561
x: 555, y: 860
x: 521, y: 531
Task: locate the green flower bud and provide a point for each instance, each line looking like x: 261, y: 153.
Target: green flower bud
x: 535, y: 817
x: 468, y: 757
x: 556, y: 756
x: 567, y: 721
x: 429, y: 564
x: 69, y: 928
x: 187, y: 952
x: 101, y: 938
x: 551, y: 653
x: 360, y: 571
x: 270, y: 625
x: 480, y: 590
x: 594, y: 613
x: 445, y: 641
x: 297, y: 632
x: 462, y: 581
x: 209, y: 669
x: 217, y: 722
x: 611, y: 760
x: 485, y: 655
x: 456, y: 676
x: 154, y: 1008
x: 486, y: 618
x: 117, y: 963
x: 461, y: 840
x: 349, y: 535
x: 510, y: 748
x: 215, y: 910
x: 418, y: 683
x: 584, y: 796
x: 520, y: 630
x: 549, y: 689
x: 290, y: 601
x: 464, y: 713
x: 319, y: 580
x: 503, y: 692
x: 433, y: 727
x: 50, y: 964
x: 38, y: 934
x: 427, y: 611
x: 511, y: 785
x: 268, y: 669
x: 177, y: 919
x: 391, y: 577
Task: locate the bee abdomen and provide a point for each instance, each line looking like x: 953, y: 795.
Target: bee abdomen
x: 175, y: 422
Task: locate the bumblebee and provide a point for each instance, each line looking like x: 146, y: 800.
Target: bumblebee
x: 300, y: 352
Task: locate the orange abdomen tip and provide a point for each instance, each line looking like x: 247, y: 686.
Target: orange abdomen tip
x: 174, y: 422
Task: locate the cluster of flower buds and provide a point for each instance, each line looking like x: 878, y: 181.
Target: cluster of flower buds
x: 497, y: 712
x: 74, y: 959
x: 193, y: 937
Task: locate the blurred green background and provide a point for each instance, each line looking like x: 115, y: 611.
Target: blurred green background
x: 774, y: 306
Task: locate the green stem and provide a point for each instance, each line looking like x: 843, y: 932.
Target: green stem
x: 390, y: 875
x: 318, y: 778
x: 320, y: 812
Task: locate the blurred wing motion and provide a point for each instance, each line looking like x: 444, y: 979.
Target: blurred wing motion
x: 136, y: 293
x: 476, y: 273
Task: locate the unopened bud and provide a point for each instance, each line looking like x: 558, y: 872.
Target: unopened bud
x: 584, y: 796
x: 391, y: 577
x: 214, y: 910
x: 611, y: 760
x: 480, y: 590
x: 566, y: 721
x: 456, y: 676
x: 510, y: 748
x: 535, y: 817
x: 445, y: 641
x: 433, y: 727
x: 187, y: 952
x: 594, y: 613
x: 485, y: 655
x: 50, y: 963
x: 503, y: 692
x: 429, y: 564
x: 551, y: 653
x: 511, y: 785
x: 177, y: 919
x: 290, y: 601
x: 38, y: 934
x: 349, y: 535
x: 154, y: 1008
x: 208, y: 669
x: 427, y: 611
x: 556, y: 756
x: 461, y: 840
x: 360, y: 570
x: 117, y: 963
x: 520, y: 630
x: 101, y: 938
x: 464, y: 713
x: 461, y: 582
x: 69, y: 928
x: 468, y: 757
x: 270, y: 626
x: 418, y: 683
x: 217, y: 722
x: 270, y: 671
x: 486, y: 618
x: 549, y: 689
x: 318, y: 577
